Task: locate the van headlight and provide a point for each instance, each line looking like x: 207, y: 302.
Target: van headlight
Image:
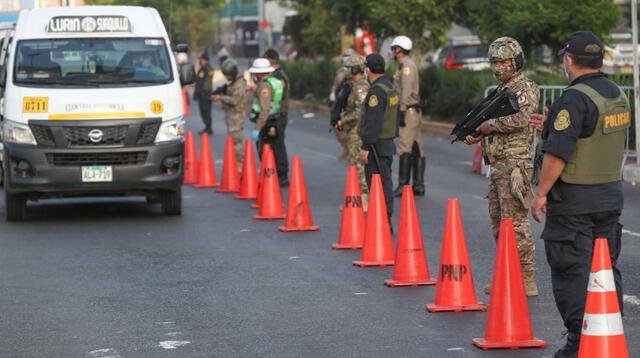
x: 171, y: 130
x: 13, y: 132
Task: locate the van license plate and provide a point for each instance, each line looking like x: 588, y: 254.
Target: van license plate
x: 97, y: 174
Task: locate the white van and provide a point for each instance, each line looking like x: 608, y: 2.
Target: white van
x: 91, y: 106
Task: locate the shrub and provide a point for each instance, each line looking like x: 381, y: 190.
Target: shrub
x: 310, y: 80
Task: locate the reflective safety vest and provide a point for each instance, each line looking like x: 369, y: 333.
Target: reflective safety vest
x: 598, y: 159
x: 276, y: 101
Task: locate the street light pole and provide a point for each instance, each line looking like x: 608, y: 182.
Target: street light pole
x: 636, y: 75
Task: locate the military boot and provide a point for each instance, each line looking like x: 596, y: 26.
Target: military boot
x: 404, y: 173
x: 570, y: 349
x: 530, y: 286
x: 419, y: 166
x: 365, y: 202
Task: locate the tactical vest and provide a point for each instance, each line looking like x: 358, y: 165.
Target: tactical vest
x: 276, y: 101
x: 390, y: 122
x: 598, y: 159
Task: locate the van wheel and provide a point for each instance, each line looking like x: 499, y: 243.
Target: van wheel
x: 15, y: 206
x: 171, y: 201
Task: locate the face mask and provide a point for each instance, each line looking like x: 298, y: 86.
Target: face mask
x: 502, y: 72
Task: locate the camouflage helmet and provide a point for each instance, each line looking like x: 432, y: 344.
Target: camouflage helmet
x: 355, y: 61
x: 229, y: 67
x: 505, y: 48
x: 348, y: 52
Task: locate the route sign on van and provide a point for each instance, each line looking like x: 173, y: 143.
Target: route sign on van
x: 88, y: 24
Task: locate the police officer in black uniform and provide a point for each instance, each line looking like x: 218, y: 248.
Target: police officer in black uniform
x: 379, y: 126
x: 202, y: 93
x: 279, y: 146
x: 580, y: 187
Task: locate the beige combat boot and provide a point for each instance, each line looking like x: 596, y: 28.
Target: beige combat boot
x: 530, y: 287
x: 365, y: 202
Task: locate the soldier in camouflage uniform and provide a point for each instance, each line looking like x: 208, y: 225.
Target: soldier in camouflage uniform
x: 233, y: 104
x: 350, y: 117
x: 341, y: 74
x: 507, y: 143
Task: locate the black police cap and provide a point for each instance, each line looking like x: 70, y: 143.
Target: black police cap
x: 375, y: 63
x: 579, y: 43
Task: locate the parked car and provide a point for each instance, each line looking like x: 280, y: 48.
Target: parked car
x: 466, y: 52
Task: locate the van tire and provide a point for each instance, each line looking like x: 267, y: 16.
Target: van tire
x: 171, y: 201
x: 15, y: 206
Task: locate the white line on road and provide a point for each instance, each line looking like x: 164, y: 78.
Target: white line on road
x: 464, y: 162
x: 308, y: 115
x: 630, y: 233
x: 360, y: 293
x: 245, y: 230
x: 455, y: 349
x: 172, y: 344
x: 477, y: 197
x: 294, y: 257
x: 631, y: 300
x: 104, y: 353
x: 165, y: 323
x: 173, y: 334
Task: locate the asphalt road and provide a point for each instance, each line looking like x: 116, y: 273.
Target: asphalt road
x: 113, y: 278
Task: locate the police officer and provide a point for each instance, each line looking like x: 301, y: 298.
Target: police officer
x: 202, y: 94
x: 379, y: 127
x: 507, y: 142
x: 350, y: 117
x: 232, y: 97
x: 580, y: 186
x: 279, y: 145
x: 266, y: 110
x: 341, y: 75
x: 410, y: 149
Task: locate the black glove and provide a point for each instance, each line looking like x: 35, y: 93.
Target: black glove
x: 401, y: 120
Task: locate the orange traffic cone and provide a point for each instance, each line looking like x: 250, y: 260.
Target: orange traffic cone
x: 352, y: 224
x: 298, y: 211
x: 455, y: 290
x: 265, y: 151
x: 249, y: 183
x: 411, y: 268
x: 477, y: 160
x: 378, y: 244
x: 602, y: 332
x: 271, y: 203
x: 185, y: 102
x: 207, y: 172
x: 190, y: 160
x: 509, y: 322
x: 230, y: 181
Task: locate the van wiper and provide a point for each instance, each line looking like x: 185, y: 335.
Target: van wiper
x: 60, y: 82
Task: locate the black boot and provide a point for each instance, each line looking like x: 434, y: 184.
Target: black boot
x: 419, y: 166
x: 570, y: 350
x: 404, y: 173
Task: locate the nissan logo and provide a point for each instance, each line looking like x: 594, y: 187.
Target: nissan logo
x: 95, y: 135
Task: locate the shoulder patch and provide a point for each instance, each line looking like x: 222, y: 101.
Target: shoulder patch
x: 264, y: 93
x: 562, y: 121
x: 394, y: 100
x: 406, y: 71
x: 373, y: 100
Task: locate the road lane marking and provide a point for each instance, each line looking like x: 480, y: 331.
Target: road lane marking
x: 166, y: 323
x: 294, y: 257
x: 360, y: 293
x: 630, y: 233
x: 172, y: 344
x: 104, y: 353
x: 631, y: 300
x: 464, y: 162
x: 308, y: 115
x: 173, y: 334
x: 455, y: 349
x: 245, y: 230
x: 478, y: 197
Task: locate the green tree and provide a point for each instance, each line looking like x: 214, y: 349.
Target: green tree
x: 541, y: 22
x: 188, y: 21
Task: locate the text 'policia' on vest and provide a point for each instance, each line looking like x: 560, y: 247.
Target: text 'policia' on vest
x: 598, y: 158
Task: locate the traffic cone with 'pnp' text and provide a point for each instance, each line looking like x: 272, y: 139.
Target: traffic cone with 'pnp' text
x: 378, y: 244
x: 298, y: 211
x: 206, y: 171
x: 230, y: 182
x: 602, y: 332
x: 411, y: 268
x: 352, y: 223
x: 249, y: 183
x: 190, y: 160
x: 509, y: 323
x: 454, y: 289
x: 266, y: 148
x: 271, y: 203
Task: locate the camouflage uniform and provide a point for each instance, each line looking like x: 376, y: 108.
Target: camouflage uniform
x: 233, y: 104
x: 508, y: 150
x: 349, y: 118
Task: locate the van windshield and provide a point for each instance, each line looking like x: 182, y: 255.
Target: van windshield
x: 92, y: 62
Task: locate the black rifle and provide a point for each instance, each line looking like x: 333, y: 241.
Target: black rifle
x: 497, y: 104
x: 220, y: 90
x: 342, y: 94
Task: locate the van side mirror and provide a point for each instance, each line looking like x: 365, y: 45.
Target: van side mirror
x: 187, y: 74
